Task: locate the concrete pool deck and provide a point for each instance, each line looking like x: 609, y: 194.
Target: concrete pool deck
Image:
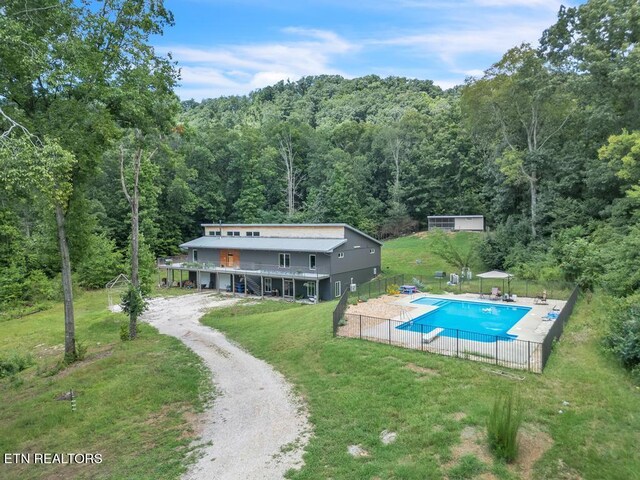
x: 531, y: 327
x: 376, y: 320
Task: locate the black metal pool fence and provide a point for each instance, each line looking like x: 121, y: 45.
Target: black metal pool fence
x: 557, y: 289
x: 495, y: 349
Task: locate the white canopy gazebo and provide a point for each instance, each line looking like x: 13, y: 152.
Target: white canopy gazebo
x: 497, y: 275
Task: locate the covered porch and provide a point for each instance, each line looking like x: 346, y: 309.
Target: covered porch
x: 288, y: 286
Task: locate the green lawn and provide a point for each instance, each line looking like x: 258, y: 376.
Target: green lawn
x: 355, y: 389
x: 133, y: 398
x: 413, y: 255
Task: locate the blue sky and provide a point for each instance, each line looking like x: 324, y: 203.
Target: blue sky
x: 230, y: 47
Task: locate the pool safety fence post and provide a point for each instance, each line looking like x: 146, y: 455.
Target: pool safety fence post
x: 529, y: 355
x: 389, y: 331
x: 360, y: 325
x: 457, y: 342
x: 422, y: 337
x: 496, y: 350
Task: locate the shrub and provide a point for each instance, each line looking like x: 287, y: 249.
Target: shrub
x: 623, y: 338
x: 503, y: 425
x: 101, y: 262
x: 124, y: 331
x: 393, y: 289
x: 14, y: 363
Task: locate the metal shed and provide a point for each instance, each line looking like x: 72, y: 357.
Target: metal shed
x: 470, y: 223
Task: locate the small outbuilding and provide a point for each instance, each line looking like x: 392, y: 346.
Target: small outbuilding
x: 469, y: 223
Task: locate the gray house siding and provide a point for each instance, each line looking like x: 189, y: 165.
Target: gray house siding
x: 358, y: 276
x: 326, y: 289
x: 358, y: 265
x: 356, y: 259
x: 298, y: 259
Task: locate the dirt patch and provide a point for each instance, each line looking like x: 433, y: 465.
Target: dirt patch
x: 533, y: 445
x: 458, y: 416
x: 487, y: 476
x: 473, y: 441
x: 422, y: 370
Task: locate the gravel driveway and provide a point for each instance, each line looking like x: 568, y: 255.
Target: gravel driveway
x: 257, y: 427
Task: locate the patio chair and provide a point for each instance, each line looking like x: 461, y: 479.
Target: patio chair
x: 541, y: 299
x: 495, y: 294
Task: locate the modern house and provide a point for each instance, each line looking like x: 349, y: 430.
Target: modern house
x: 316, y: 261
x: 470, y: 223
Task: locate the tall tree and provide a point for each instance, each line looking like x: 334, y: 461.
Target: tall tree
x: 75, y: 71
x: 132, y: 194
x: 599, y: 41
x: 293, y: 175
x: 527, y: 106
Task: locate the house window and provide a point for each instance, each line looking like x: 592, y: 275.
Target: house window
x: 249, y: 234
x: 372, y: 251
x: 284, y: 260
x: 268, y: 285
x: 236, y: 234
x: 337, y: 289
x: 311, y: 289
x: 195, y: 255
x: 230, y: 234
x: 312, y: 262
x: 341, y: 255
x: 233, y: 234
x: 214, y: 233
x: 256, y: 234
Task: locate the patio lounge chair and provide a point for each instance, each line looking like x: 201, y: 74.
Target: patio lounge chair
x: 541, y: 299
x: 495, y: 294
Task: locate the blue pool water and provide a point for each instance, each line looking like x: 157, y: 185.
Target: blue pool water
x: 479, y: 321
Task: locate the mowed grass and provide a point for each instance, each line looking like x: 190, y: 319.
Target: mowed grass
x: 356, y: 389
x: 413, y: 255
x: 133, y: 398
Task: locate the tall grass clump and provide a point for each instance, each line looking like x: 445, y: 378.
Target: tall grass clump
x: 503, y: 425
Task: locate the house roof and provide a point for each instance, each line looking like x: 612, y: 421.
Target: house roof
x: 310, y: 225
x: 267, y: 243
x: 455, y: 216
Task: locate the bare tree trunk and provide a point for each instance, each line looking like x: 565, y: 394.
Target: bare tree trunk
x: 395, y: 152
x: 534, y: 201
x: 286, y: 153
x: 70, y: 353
x: 134, y: 202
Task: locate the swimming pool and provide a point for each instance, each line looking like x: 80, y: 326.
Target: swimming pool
x: 479, y: 321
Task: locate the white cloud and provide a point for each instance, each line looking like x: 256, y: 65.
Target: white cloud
x: 232, y: 69
x: 533, y: 4
x: 449, y: 44
x: 448, y: 83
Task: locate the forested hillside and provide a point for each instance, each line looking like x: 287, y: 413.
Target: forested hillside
x: 546, y: 145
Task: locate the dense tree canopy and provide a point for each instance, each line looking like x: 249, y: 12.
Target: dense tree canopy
x: 545, y: 145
